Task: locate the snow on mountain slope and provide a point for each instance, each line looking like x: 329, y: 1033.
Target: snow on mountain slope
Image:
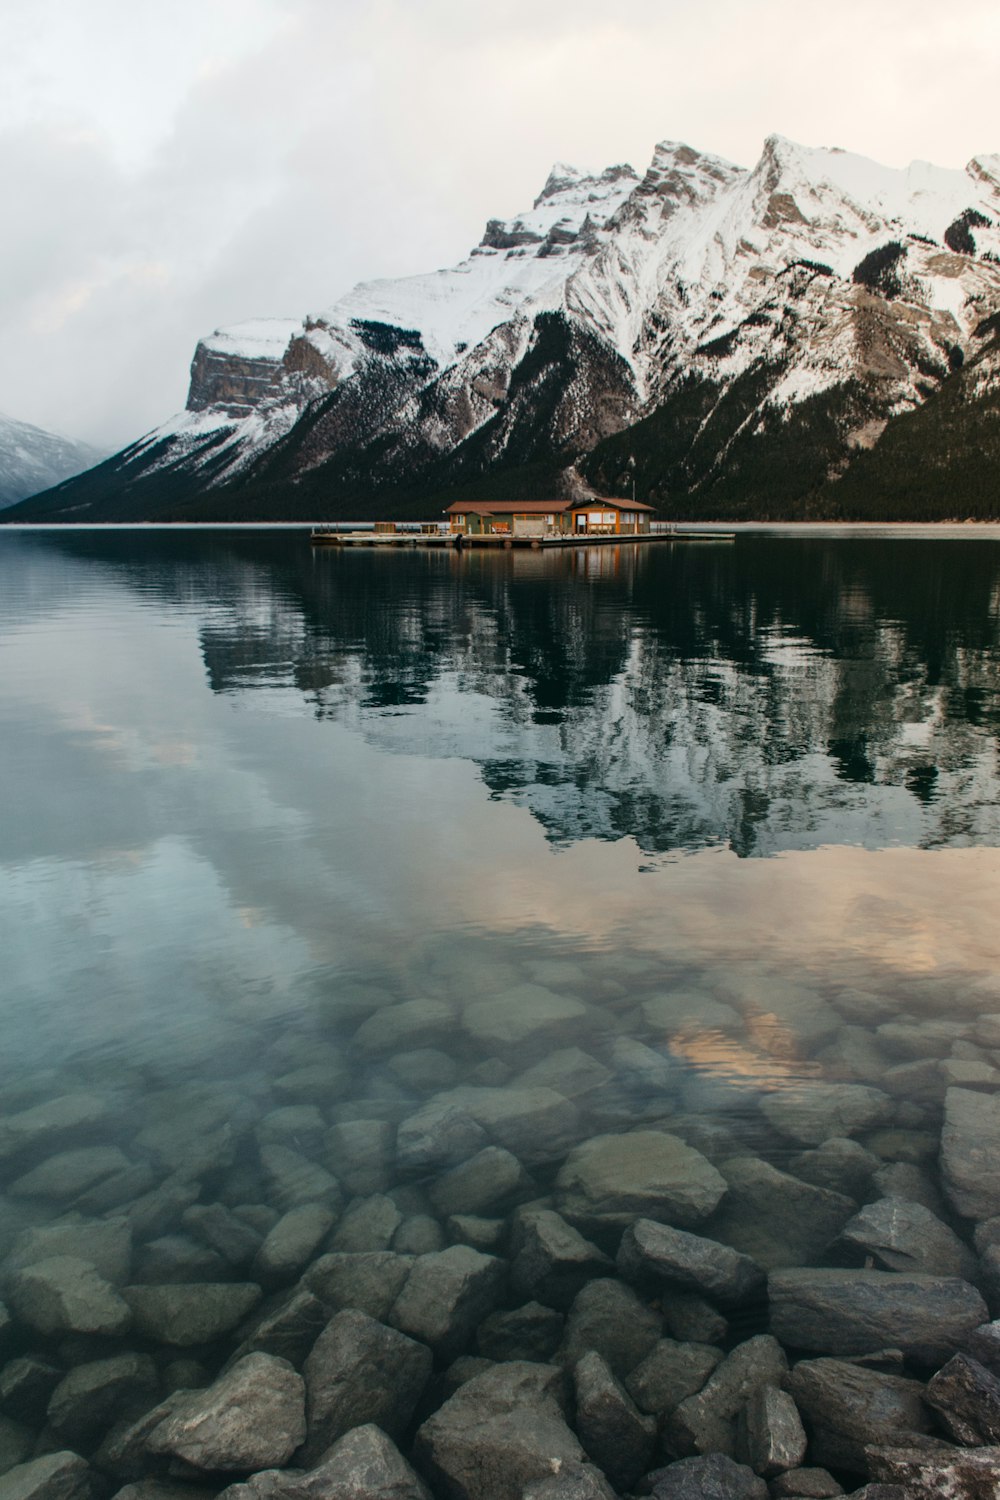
x: 32, y: 459
x: 814, y: 274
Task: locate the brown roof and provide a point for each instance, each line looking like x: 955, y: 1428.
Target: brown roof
x: 538, y: 507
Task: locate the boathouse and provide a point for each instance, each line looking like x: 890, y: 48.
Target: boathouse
x: 597, y: 516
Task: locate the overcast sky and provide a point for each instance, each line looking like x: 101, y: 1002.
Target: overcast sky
x: 169, y: 168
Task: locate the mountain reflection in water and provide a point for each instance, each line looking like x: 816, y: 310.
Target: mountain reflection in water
x: 763, y: 696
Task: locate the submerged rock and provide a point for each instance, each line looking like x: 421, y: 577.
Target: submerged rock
x: 614, y: 1433
x: 812, y: 1112
x: 106, y: 1244
x: 610, y: 1180
x: 551, y: 1260
x: 906, y: 1236
x: 94, y: 1395
x: 967, y: 1398
x: 770, y: 1435
x: 527, y: 1013
x: 858, y: 1312
x: 66, y: 1295
x: 776, y: 1219
x: 670, y: 1373
x: 446, y: 1295
x: 970, y: 1152
x: 498, y: 1434
x: 369, y: 1283
x: 609, y: 1319
x: 189, y: 1315
x: 253, y: 1417
x: 57, y: 1476
x: 706, y: 1422
x: 712, y: 1477
x: 486, y: 1182
x: 360, y: 1371
x: 655, y: 1252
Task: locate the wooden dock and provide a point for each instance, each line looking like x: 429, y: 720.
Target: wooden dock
x: 459, y: 541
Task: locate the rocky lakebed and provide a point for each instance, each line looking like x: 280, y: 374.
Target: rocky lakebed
x: 528, y: 1235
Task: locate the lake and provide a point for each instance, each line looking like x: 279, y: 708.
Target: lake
x: 325, y: 872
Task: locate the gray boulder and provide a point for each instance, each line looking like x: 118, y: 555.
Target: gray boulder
x: 490, y: 1179
x: 66, y: 1295
x: 612, y: 1430
x: 670, y: 1373
x: 805, y: 1484
x: 69, y: 1118
x: 529, y: 1013
x: 775, y: 1218
x: 368, y: 1225
x: 970, y: 1152
x: 608, y: 1318
x: 17, y: 1443
x: 439, y: 1135
x: 69, y: 1173
x: 287, y: 1326
x: 369, y: 1283
x: 921, y: 1473
x: 93, y: 1395
x: 858, y: 1312
x: 252, y: 1417
x: 293, y: 1179
x: 967, y: 1397
x: 400, y: 1028
x: 498, y: 1434
x: 446, y: 1295
x: 57, y: 1476
x: 360, y: 1153
x: 610, y: 1180
x: 219, y: 1228
x: 712, y: 1477
x: 178, y: 1258
x: 841, y: 1165
x: 848, y: 1407
x: 573, y: 1482
x: 420, y: 1234
x: 570, y: 1071
x: 360, y: 1371
x: 812, y: 1112
x: 291, y: 1243
x: 770, y: 1435
x: 364, y: 1464
x: 535, y: 1124
x: 905, y: 1236
x: 651, y: 1253
x: 707, y: 1421
x: 551, y: 1260
x: 26, y: 1385
x: 106, y: 1244
x: 188, y: 1315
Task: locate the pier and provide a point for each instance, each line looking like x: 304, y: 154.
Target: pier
x: 380, y: 536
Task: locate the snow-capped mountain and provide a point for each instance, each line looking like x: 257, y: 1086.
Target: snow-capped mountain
x: 733, y: 341
x: 32, y: 459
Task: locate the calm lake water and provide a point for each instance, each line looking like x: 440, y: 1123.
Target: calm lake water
x: 240, y: 775
x: 737, y: 803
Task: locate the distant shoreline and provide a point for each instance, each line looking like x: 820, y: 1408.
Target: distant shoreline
x: 957, y: 529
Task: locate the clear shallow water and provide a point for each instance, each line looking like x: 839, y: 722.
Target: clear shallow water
x: 737, y: 803
x: 239, y: 773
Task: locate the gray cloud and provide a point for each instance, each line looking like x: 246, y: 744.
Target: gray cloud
x: 167, y: 172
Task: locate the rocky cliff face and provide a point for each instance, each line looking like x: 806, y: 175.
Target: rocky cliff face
x: 735, y: 342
